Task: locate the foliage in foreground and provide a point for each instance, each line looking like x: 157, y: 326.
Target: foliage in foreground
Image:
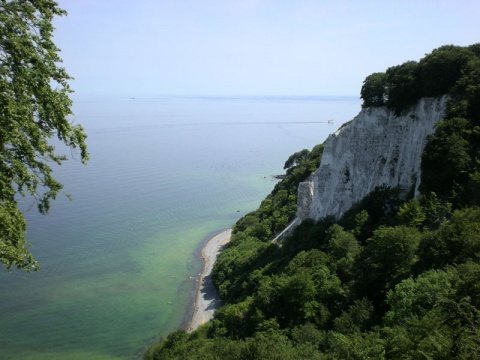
x: 394, y: 278
x: 34, y: 105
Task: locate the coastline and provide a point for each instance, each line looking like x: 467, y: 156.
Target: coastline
x: 206, y: 298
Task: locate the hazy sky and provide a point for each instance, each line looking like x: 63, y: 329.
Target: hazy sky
x: 251, y: 47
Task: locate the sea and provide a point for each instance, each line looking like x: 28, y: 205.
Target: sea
x: 120, y: 260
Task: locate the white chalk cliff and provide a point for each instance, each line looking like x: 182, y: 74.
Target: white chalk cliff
x: 374, y: 149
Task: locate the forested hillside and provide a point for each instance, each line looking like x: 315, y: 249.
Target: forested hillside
x: 394, y: 278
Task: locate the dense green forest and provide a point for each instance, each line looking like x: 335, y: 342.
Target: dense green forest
x: 394, y: 278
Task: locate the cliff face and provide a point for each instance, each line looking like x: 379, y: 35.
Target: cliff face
x: 375, y: 149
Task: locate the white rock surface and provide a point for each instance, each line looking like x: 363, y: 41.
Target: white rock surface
x: 375, y: 149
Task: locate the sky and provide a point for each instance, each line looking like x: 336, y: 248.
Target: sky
x: 251, y: 47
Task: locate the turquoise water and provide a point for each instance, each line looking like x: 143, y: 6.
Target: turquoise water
x: 166, y: 173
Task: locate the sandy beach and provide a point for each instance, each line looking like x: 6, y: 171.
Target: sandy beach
x: 207, y: 299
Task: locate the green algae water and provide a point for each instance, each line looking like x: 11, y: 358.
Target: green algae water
x: 166, y: 173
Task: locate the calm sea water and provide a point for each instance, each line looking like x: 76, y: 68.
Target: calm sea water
x: 165, y: 174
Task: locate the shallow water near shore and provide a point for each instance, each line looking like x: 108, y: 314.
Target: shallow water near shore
x: 165, y: 174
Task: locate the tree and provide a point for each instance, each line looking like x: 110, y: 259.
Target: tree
x: 461, y: 234
x: 412, y: 214
x: 440, y: 70
x: 373, y: 91
x: 387, y: 259
x: 415, y: 297
x: 465, y: 100
x: 296, y: 158
x: 402, y: 86
x: 446, y: 160
x: 34, y: 108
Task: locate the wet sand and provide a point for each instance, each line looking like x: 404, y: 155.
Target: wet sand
x: 207, y: 299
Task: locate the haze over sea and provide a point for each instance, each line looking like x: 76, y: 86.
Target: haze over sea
x: 166, y: 173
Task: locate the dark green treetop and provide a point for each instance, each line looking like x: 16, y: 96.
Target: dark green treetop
x: 448, y: 69
x: 373, y: 90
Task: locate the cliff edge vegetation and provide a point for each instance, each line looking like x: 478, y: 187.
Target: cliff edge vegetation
x: 395, y: 277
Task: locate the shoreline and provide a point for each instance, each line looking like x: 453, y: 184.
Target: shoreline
x: 206, y: 297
